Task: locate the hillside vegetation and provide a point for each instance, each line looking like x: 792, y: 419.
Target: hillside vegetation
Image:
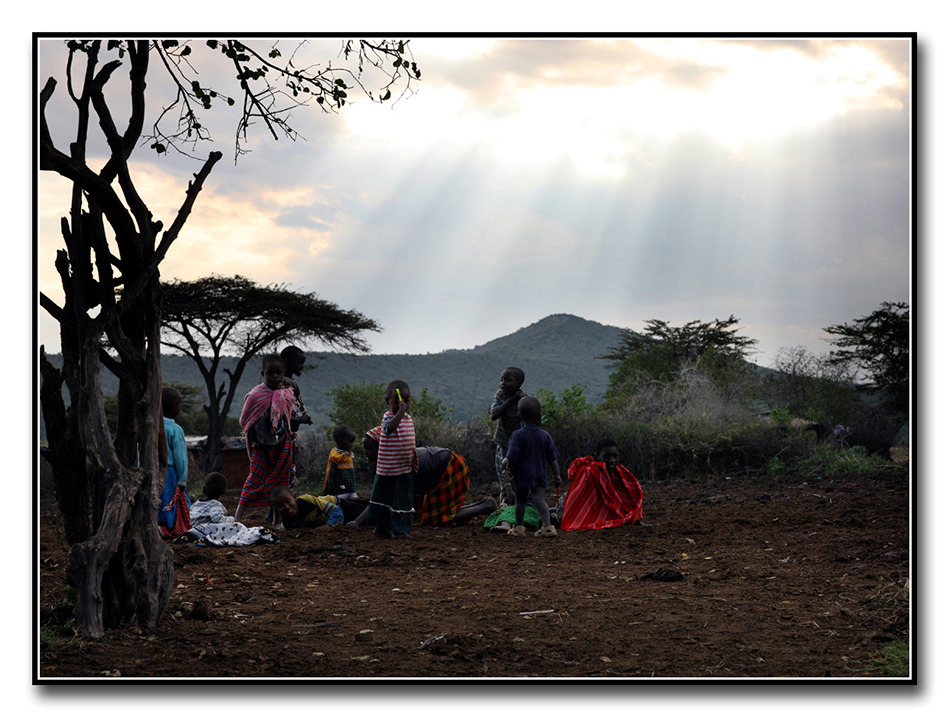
x: 555, y: 352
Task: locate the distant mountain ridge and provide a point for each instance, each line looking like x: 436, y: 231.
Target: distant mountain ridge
x: 554, y: 352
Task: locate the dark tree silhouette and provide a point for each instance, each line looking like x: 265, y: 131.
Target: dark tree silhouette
x: 216, y: 317
x: 662, y: 350
x: 108, y: 485
x: 879, y: 345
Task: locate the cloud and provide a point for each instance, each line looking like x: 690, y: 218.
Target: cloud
x: 619, y: 180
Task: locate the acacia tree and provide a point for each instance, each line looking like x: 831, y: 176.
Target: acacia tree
x: 879, y: 344
x: 214, y: 318
x: 662, y: 350
x: 108, y: 485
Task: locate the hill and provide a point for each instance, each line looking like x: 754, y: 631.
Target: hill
x: 555, y: 352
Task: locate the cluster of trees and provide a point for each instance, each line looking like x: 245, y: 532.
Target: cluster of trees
x: 685, y: 399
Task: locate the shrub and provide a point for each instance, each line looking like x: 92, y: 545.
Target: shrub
x: 829, y: 460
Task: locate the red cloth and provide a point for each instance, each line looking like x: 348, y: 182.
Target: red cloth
x: 271, y: 466
x: 597, y: 500
x: 182, y: 520
x: 439, y: 506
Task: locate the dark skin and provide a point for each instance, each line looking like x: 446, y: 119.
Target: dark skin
x: 345, y: 443
x: 509, y: 465
x: 293, y: 366
x: 398, y: 403
x: 510, y: 385
x: 371, y: 448
x: 274, y: 376
x: 285, y: 504
x: 294, y: 363
x: 610, y: 455
x: 171, y: 411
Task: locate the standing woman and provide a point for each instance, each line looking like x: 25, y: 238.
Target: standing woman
x: 265, y: 420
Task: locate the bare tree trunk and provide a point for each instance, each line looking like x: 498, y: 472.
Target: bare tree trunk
x: 124, y: 571
x: 65, y: 455
x: 212, y: 459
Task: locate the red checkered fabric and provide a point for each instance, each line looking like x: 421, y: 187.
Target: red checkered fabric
x: 271, y: 466
x: 182, y: 522
x: 440, y: 505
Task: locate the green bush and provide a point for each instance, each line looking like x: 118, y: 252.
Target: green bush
x: 829, y: 460
x: 685, y: 427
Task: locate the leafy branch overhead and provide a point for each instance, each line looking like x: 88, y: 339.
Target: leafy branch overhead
x: 269, y: 83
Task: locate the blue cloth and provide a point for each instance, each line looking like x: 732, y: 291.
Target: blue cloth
x: 167, y: 518
x: 177, y: 450
x: 177, y: 472
x: 530, y: 450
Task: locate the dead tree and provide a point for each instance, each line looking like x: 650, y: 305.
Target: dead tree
x: 107, y: 486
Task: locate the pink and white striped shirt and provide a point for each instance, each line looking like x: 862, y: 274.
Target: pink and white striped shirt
x: 398, y: 449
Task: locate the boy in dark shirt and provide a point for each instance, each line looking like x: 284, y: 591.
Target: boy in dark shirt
x: 531, y: 451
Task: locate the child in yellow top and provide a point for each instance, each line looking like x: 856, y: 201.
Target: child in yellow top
x: 340, y: 479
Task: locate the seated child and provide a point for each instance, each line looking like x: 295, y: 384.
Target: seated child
x: 210, y: 523
x: 340, y: 480
x: 603, y: 492
x: 308, y: 511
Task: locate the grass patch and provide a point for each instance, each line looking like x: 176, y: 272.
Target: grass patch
x: 829, y: 460
x: 892, y: 660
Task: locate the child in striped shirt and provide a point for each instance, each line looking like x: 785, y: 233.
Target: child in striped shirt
x: 390, y: 505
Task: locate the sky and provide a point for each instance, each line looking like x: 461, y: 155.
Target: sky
x: 619, y: 179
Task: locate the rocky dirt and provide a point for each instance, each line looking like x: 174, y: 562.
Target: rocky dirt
x: 778, y: 577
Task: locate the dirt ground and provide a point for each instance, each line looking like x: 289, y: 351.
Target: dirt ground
x: 780, y: 577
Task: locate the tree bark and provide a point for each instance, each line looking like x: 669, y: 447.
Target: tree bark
x: 65, y: 455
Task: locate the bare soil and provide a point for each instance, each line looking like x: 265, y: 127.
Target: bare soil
x: 780, y: 577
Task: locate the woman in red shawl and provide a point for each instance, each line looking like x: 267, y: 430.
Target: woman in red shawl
x: 265, y: 420
x: 603, y: 493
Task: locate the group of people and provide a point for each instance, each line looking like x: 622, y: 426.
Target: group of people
x: 428, y: 484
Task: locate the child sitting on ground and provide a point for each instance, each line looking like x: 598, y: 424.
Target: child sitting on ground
x: 603, y: 492
x: 340, y: 479
x: 530, y: 451
x: 308, y: 511
x: 210, y: 523
x: 390, y: 506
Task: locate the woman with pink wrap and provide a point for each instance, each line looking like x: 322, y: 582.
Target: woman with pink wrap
x: 265, y: 420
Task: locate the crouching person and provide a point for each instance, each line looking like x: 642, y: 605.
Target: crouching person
x: 308, y: 511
